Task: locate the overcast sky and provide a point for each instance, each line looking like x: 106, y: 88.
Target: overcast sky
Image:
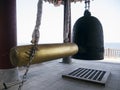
x: 51, y: 29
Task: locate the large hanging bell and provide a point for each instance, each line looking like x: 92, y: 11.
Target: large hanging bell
x: 88, y: 35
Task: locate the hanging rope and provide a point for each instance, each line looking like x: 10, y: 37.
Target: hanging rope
x: 34, y: 41
x: 35, y: 35
x: 87, y: 4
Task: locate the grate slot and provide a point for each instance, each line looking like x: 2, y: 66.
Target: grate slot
x: 87, y: 75
x: 92, y: 75
x: 81, y: 72
x: 101, y: 76
x: 76, y: 71
x: 97, y: 75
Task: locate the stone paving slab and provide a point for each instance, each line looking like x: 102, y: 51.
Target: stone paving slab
x: 48, y: 76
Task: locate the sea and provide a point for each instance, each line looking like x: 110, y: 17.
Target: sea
x: 112, y: 45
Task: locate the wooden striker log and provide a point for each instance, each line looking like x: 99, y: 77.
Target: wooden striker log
x: 45, y: 52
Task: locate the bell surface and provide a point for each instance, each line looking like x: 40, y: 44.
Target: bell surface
x: 88, y: 35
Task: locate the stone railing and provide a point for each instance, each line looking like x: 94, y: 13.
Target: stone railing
x: 109, y: 52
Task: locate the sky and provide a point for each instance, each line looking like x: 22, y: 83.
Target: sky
x: 51, y: 28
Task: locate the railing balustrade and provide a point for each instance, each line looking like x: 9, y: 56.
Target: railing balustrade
x: 109, y: 52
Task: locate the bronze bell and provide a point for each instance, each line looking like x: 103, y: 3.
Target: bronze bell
x: 88, y: 35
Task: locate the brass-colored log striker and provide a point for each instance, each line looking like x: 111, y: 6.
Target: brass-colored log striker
x: 19, y: 55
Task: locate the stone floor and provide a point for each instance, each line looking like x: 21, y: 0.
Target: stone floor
x: 48, y: 76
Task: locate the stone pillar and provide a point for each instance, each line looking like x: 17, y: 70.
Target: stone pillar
x: 8, y: 72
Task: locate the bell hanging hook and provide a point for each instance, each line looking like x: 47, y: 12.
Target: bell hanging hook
x: 87, y: 4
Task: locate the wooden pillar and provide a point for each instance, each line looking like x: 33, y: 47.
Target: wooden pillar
x: 7, y: 31
x: 8, y: 72
x: 67, y: 27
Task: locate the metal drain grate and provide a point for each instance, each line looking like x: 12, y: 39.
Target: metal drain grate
x: 92, y: 75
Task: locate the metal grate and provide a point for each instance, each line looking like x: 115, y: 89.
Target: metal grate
x: 92, y: 75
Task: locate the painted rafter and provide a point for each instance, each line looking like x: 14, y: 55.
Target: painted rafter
x: 59, y: 2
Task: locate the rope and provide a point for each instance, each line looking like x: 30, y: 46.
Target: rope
x: 34, y: 41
